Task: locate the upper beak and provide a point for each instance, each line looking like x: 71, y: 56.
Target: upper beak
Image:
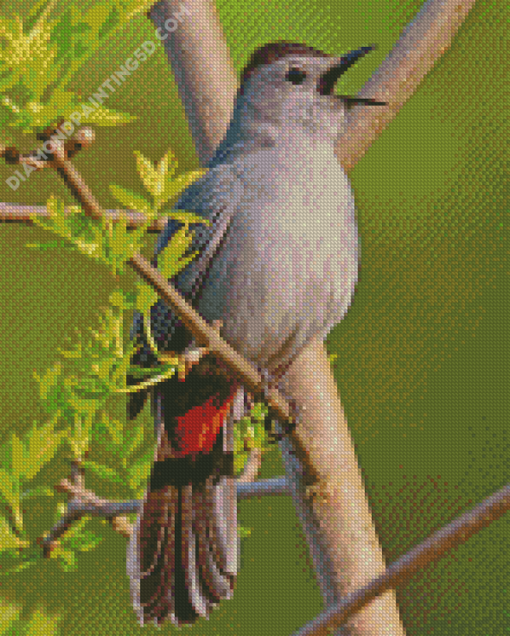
x: 328, y: 79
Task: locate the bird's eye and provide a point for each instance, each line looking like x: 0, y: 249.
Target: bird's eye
x: 296, y: 76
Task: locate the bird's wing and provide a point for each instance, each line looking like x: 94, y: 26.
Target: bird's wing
x: 215, y: 197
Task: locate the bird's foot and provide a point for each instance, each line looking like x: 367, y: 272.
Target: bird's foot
x: 192, y: 355
x: 268, y: 385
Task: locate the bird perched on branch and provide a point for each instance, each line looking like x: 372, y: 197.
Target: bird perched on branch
x: 277, y: 267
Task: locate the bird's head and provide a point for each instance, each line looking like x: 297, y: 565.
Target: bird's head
x: 289, y: 85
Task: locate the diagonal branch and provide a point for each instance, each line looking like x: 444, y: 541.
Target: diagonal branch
x: 433, y: 548
x: 205, y: 334
x: 422, y: 43
x: 82, y: 501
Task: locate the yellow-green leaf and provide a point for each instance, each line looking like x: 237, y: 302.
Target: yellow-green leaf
x: 8, y: 614
x: 173, y: 187
x: 8, y: 539
x: 44, y: 454
x: 145, y: 298
x: 9, y: 489
x: 18, y: 457
x: 48, y: 380
x: 105, y: 472
x: 130, y: 199
x: 82, y: 406
x: 147, y: 172
x: 97, y: 15
x: 119, y: 374
x: 167, y: 165
x: 120, y: 300
x: 186, y: 216
x: 171, y: 260
x: 102, y: 116
x: 114, y: 427
x: 139, y: 471
x: 42, y: 623
x: 37, y: 436
x: 71, y: 355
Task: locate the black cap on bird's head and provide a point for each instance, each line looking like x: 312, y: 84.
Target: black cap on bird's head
x: 272, y: 52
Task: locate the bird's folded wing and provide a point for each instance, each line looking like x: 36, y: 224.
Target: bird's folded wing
x: 214, y: 197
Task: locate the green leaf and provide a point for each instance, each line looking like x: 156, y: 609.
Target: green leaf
x: 114, y: 427
x: 160, y: 175
x: 102, y: 116
x: 103, y: 368
x: 98, y: 16
x: 57, y: 244
x: 65, y: 558
x: 37, y: 13
x: 84, y: 541
x: 8, y: 539
x: 173, y: 187
x: 71, y: 354
x: 38, y: 114
x: 145, y: 298
x: 105, y: 472
x: 56, y: 209
x: 147, y: 172
x: 130, y: 199
x: 38, y: 491
x: 167, y: 166
x: 140, y: 470
x: 119, y: 375
x: 79, y: 436
x: 243, y: 531
x: 43, y: 443
x: 165, y: 169
x: 239, y: 461
x: 82, y: 406
x: 29, y: 55
x: 8, y: 615
x: 42, y: 623
x: 122, y: 246
x: 122, y: 300
x: 9, y: 489
x: 18, y: 457
x: 186, y: 216
x: 171, y: 260
x: 133, y: 441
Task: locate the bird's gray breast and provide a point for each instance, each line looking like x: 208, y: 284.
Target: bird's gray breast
x: 287, y: 267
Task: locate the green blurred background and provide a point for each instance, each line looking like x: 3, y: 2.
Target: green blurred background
x: 422, y: 354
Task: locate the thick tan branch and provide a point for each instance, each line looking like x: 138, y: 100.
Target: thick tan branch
x: 202, y: 68
x: 422, y: 43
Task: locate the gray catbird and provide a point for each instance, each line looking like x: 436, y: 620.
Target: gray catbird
x: 278, y: 266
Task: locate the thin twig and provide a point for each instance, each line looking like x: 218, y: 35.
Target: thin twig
x: 204, y: 334
x: 252, y: 466
x: 85, y: 502
x: 13, y: 213
x: 432, y: 549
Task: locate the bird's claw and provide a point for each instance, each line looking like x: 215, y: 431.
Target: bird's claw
x: 193, y: 354
x: 268, y: 385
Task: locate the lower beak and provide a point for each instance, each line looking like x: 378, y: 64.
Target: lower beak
x: 328, y: 80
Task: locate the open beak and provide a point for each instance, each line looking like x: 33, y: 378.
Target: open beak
x: 328, y: 79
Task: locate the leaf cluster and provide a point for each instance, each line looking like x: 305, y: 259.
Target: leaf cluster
x: 41, y: 54
x: 75, y: 391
